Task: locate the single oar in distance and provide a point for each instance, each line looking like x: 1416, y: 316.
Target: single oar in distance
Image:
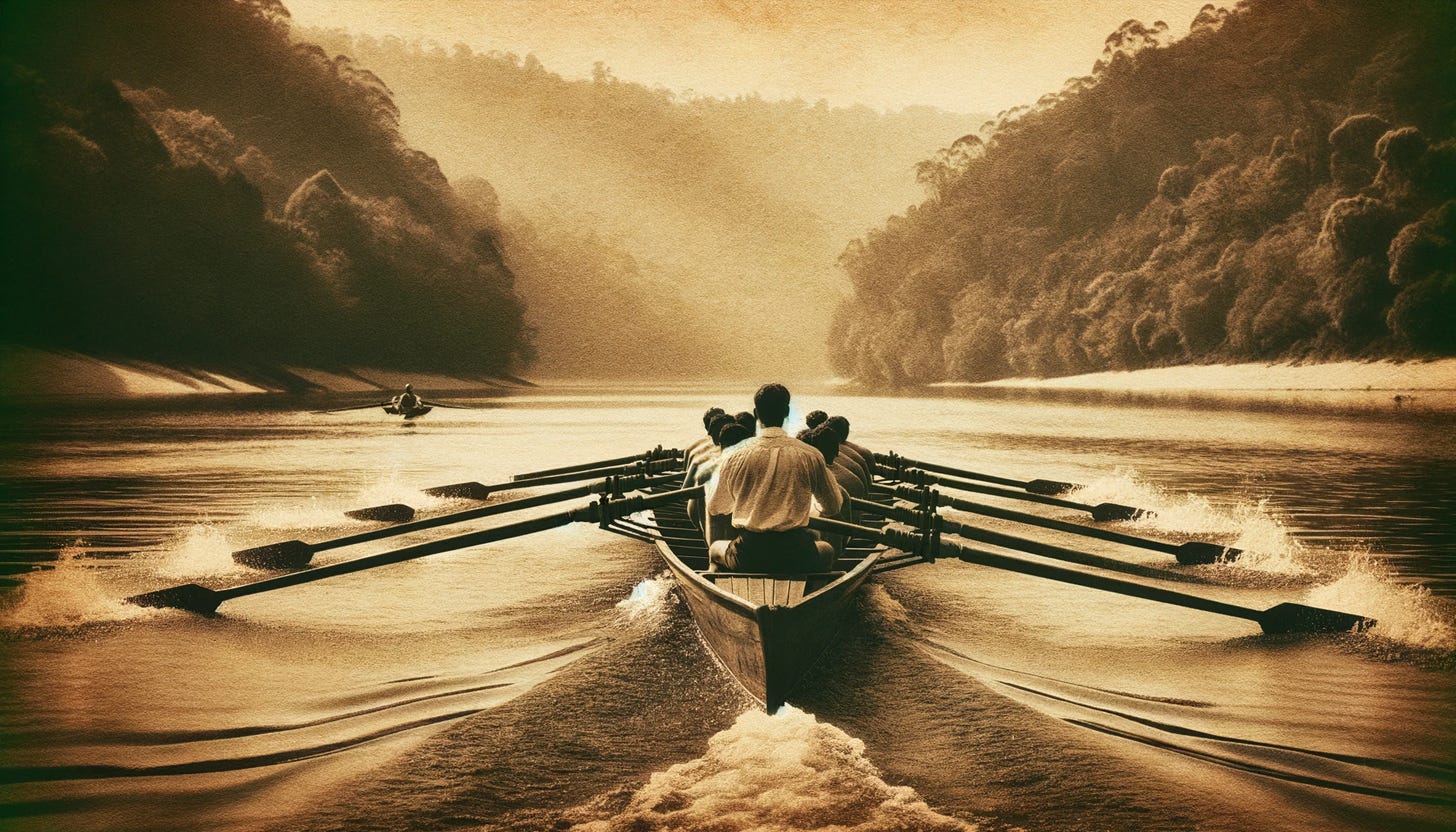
x: 913, y: 515
x: 480, y: 491
x: 353, y: 407
x: 442, y: 404
x: 205, y: 601
x: 1045, y: 487
x: 647, y: 456
x: 293, y: 554
x: 1188, y: 552
x: 1281, y: 618
x: 1102, y: 512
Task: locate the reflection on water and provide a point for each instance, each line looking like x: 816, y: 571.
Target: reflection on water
x: 554, y: 680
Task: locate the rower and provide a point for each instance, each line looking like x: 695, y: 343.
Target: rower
x: 407, y: 400
x: 765, y: 489
x: 703, y: 442
x: 826, y: 442
x: 848, y: 449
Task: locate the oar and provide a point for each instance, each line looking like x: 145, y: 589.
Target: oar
x: 293, y: 554
x: 1191, y: 552
x: 1045, y: 487
x: 205, y: 601
x: 442, y: 404
x: 912, y: 515
x: 1101, y: 512
x: 355, y: 407
x: 480, y: 491
x: 387, y: 513
x: 648, y: 456
x: 1281, y: 618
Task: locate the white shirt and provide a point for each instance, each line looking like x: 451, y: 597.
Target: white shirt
x: 769, y: 482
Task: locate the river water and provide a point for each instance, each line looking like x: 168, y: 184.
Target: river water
x: 557, y: 682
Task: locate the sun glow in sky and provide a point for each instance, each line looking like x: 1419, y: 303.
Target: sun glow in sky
x: 959, y: 55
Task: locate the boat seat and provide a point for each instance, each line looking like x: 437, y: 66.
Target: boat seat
x: 773, y: 590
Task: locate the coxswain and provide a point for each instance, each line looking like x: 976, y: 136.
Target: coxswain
x: 766, y: 488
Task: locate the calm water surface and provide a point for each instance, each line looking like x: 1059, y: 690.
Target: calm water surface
x: 555, y: 681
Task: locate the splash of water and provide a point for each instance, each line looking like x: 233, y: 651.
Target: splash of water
x: 1404, y: 613
x: 776, y: 774
x: 67, y: 596
x: 201, y: 551
x: 1268, y: 546
x: 651, y: 601
x: 389, y: 489
x: 313, y: 514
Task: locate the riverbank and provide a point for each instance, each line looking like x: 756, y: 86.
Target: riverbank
x: 27, y: 372
x: 1419, y: 385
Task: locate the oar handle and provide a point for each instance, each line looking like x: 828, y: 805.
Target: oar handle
x: 907, y: 538
x: 641, y: 466
x: 658, y: 453
x: 913, y: 514
x: 894, y: 460
x: 601, y: 512
x: 420, y: 550
x: 614, y: 485
x: 1100, y: 512
x: 920, y: 495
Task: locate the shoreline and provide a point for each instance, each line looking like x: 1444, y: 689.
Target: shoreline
x: 27, y: 372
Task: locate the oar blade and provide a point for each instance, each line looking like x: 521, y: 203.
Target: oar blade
x: 460, y: 491
x: 1196, y: 552
x: 1298, y: 618
x: 1104, y: 512
x: 289, y: 554
x: 388, y: 513
x: 1049, y: 488
x: 190, y: 597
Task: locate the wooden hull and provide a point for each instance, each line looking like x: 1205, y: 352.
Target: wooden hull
x: 767, y: 647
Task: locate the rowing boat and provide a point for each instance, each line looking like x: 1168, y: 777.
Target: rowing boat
x: 766, y: 630
x: 407, y: 412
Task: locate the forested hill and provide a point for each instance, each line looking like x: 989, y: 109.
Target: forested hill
x: 1277, y: 184
x: 653, y: 231
x: 185, y: 182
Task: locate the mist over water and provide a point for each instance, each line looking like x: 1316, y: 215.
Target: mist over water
x: 557, y: 681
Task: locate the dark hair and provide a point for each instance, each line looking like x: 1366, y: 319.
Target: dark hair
x: 815, y: 418
x: 732, y: 433
x: 747, y: 420
x: 839, y: 425
x: 709, y: 414
x: 771, y: 405
x: 824, y: 441
x: 716, y: 424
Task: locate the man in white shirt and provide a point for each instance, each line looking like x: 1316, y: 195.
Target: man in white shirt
x: 767, y: 487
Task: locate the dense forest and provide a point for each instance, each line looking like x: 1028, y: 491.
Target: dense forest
x: 1277, y: 184
x: 652, y: 231
x: 185, y: 182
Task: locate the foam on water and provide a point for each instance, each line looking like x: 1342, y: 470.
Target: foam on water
x: 69, y: 595
x: 1404, y: 613
x: 651, y: 601
x: 1268, y: 546
x: 203, y: 550
x: 775, y: 774
x: 389, y: 489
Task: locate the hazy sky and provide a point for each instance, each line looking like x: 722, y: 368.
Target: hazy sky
x: 960, y: 55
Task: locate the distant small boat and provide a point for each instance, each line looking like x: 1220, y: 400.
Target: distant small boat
x: 408, y: 412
